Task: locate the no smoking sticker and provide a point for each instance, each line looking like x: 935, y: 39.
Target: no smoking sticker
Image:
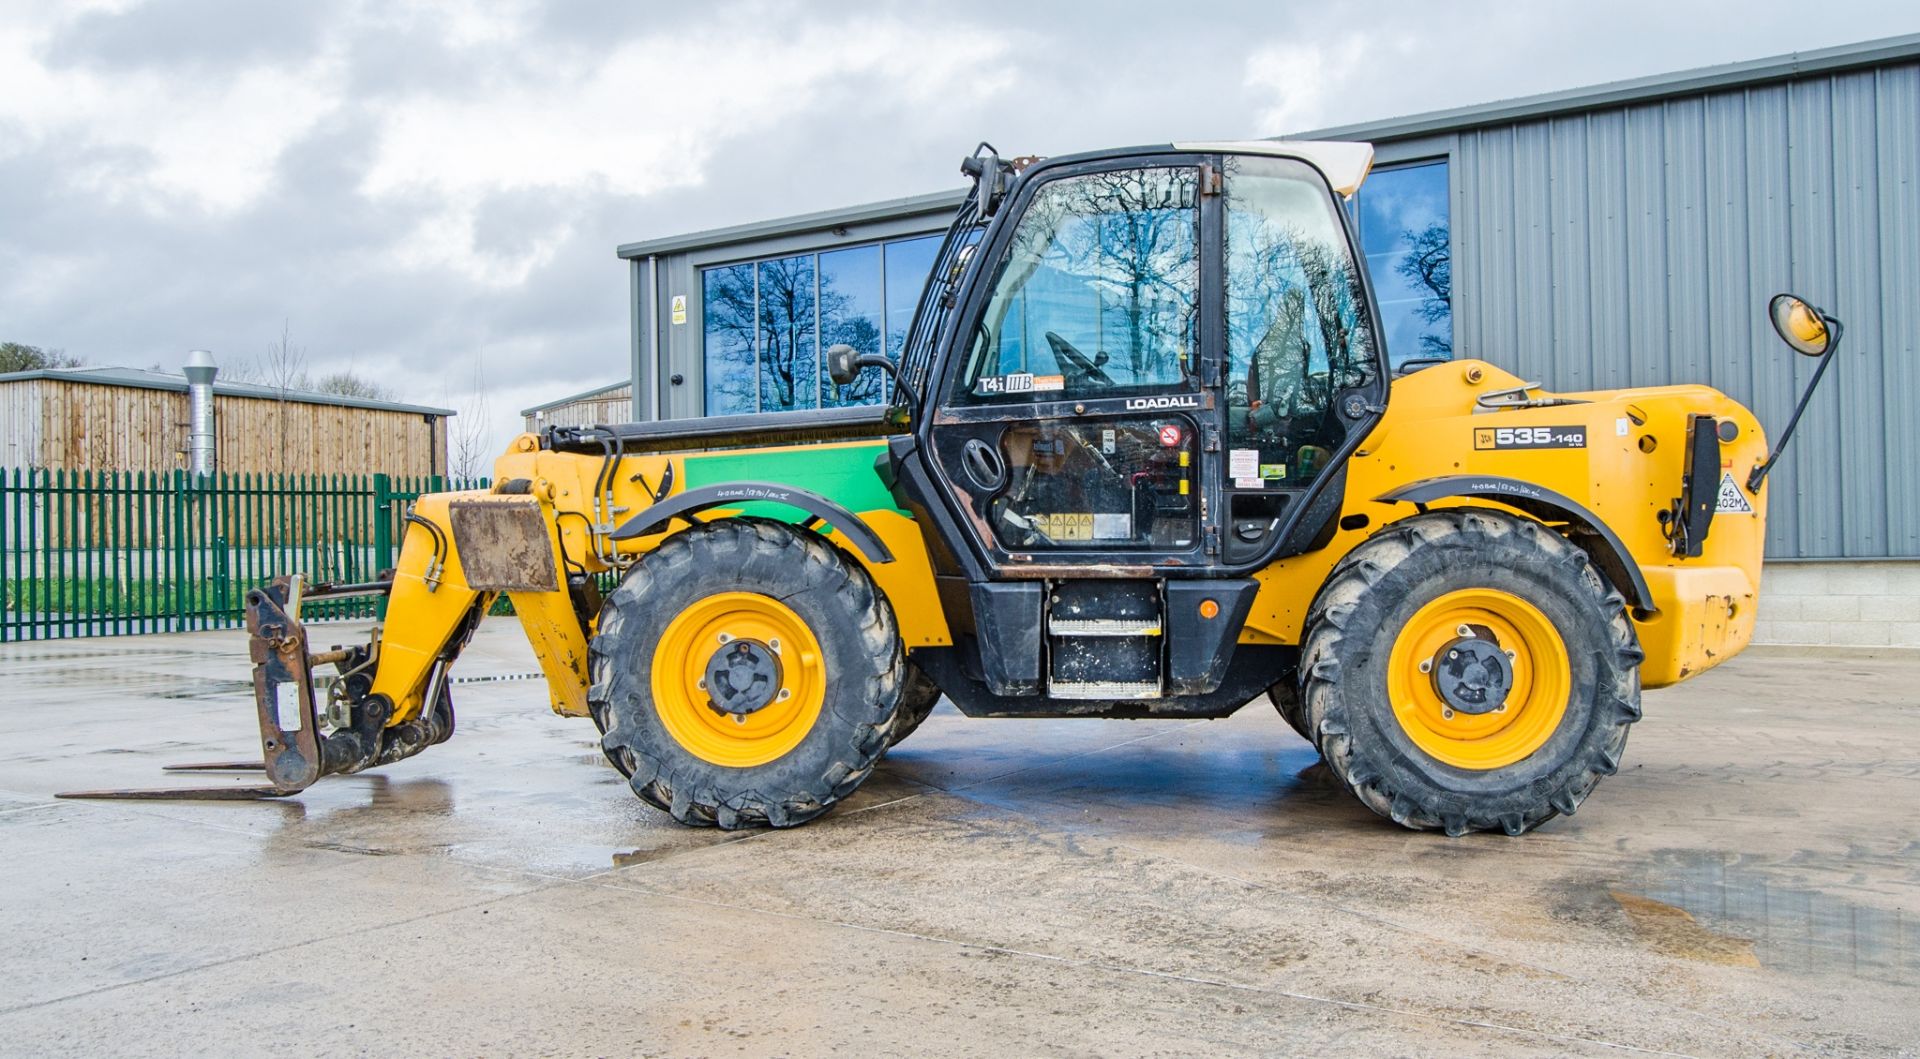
x: 1170, y: 435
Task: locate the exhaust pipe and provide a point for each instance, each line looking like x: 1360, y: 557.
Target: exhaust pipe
x: 200, y: 370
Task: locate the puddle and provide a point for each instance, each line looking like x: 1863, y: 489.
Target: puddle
x: 1720, y: 910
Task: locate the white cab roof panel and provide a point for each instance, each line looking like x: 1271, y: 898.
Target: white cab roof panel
x: 1344, y: 162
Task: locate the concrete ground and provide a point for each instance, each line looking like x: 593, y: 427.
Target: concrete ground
x: 1749, y: 884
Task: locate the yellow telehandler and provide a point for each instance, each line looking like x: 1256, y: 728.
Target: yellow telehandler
x: 1145, y: 456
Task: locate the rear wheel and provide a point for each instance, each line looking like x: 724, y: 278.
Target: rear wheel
x: 745, y: 673
x: 1469, y: 670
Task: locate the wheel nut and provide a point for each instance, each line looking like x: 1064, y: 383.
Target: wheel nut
x: 1447, y: 714
x: 739, y: 718
x: 1511, y: 656
x: 1452, y: 655
x: 726, y: 637
x: 784, y: 695
x: 1502, y: 708
x: 775, y: 644
x: 1465, y: 630
x: 1426, y: 665
x: 701, y: 683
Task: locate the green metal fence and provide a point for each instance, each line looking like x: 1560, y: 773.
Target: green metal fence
x: 106, y: 553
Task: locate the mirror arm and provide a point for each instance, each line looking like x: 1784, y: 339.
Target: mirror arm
x: 1759, y: 472
x: 874, y: 360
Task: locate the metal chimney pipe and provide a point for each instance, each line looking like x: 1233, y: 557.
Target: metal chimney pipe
x: 200, y: 369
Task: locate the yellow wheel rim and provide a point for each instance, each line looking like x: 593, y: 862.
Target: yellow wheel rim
x: 680, y: 670
x: 1540, y: 679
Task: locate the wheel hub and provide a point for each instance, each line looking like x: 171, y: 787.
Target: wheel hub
x: 742, y: 677
x: 1472, y: 674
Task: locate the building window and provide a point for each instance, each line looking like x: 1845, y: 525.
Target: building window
x: 1402, y: 216
x: 767, y: 322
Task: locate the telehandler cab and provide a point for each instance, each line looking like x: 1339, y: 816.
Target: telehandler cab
x: 1144, y: 457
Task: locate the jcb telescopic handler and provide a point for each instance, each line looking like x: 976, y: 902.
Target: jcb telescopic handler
x: 1144, y: 457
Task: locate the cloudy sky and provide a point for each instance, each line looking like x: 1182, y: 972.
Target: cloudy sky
x: 427, y: 193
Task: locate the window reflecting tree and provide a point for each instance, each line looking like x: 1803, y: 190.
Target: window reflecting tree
x: 729, y: 327
x: 787, y: 351
x: 1402, y: 214
x: 1100, y: 282
x: 1297, y: 330
x: 850, y: 314
x: 1428, y: 265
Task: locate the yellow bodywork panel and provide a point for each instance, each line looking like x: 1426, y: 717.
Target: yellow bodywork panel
x: 1628, y: 471
x: 433, y: 594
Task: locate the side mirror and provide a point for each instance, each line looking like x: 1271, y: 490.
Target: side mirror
x: 843, y: 364
x: 1811, y: 333
x: 1800, y: 325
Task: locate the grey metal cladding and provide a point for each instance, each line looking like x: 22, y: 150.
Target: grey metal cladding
x: 1638, y: 245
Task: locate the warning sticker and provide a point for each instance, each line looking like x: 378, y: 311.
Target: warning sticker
x: 1085, y: 525
x: 1065, y: 525
x: 679, y: 309
x: 1731, y: 500
x: 1273, y: 470
x: 1243, y: 463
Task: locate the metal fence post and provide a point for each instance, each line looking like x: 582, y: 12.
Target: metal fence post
x: 382, y: 534
x: 179, y: 550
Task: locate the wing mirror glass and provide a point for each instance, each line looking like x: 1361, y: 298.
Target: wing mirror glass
x: 843, y: 364
x: 1800, y: 325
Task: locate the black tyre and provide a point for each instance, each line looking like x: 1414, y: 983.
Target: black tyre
x: 918, y: 697
x: 1285, y: 696
x: 745, y: 673
x: 1469, y: 670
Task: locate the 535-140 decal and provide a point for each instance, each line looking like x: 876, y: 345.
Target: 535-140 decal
x: 1572, y: 437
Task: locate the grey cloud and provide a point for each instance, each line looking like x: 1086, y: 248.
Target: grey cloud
x: 191, y: 34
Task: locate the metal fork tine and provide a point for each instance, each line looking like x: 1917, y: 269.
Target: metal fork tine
x: 217, y: 766
x: 188, y: 794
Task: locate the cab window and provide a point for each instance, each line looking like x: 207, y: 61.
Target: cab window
x: 1298, y: 334
x: 1095, y: 296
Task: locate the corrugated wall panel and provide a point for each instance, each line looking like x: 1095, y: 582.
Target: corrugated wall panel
x: 1638, y: 246
x: 1897, y: 162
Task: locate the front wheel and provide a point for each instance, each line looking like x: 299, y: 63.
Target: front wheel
x: 745, y: 673
x: 1469, y: 670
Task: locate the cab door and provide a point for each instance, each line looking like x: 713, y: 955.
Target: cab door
x: 1074, y: 426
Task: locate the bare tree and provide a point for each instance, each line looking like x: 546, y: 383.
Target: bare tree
x: 284, y: 368
x: 469, y: 453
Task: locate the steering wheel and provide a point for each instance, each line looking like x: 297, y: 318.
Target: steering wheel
x: 1063, y: 351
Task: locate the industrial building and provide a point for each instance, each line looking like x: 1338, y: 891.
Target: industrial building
x: 134, y: 419
x: 1626, y: 234
x: 603, y: 404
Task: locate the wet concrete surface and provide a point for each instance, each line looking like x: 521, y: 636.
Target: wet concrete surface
x: 1749, y: 884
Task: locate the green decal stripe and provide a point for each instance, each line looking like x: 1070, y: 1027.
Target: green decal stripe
x: 843, y: 474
